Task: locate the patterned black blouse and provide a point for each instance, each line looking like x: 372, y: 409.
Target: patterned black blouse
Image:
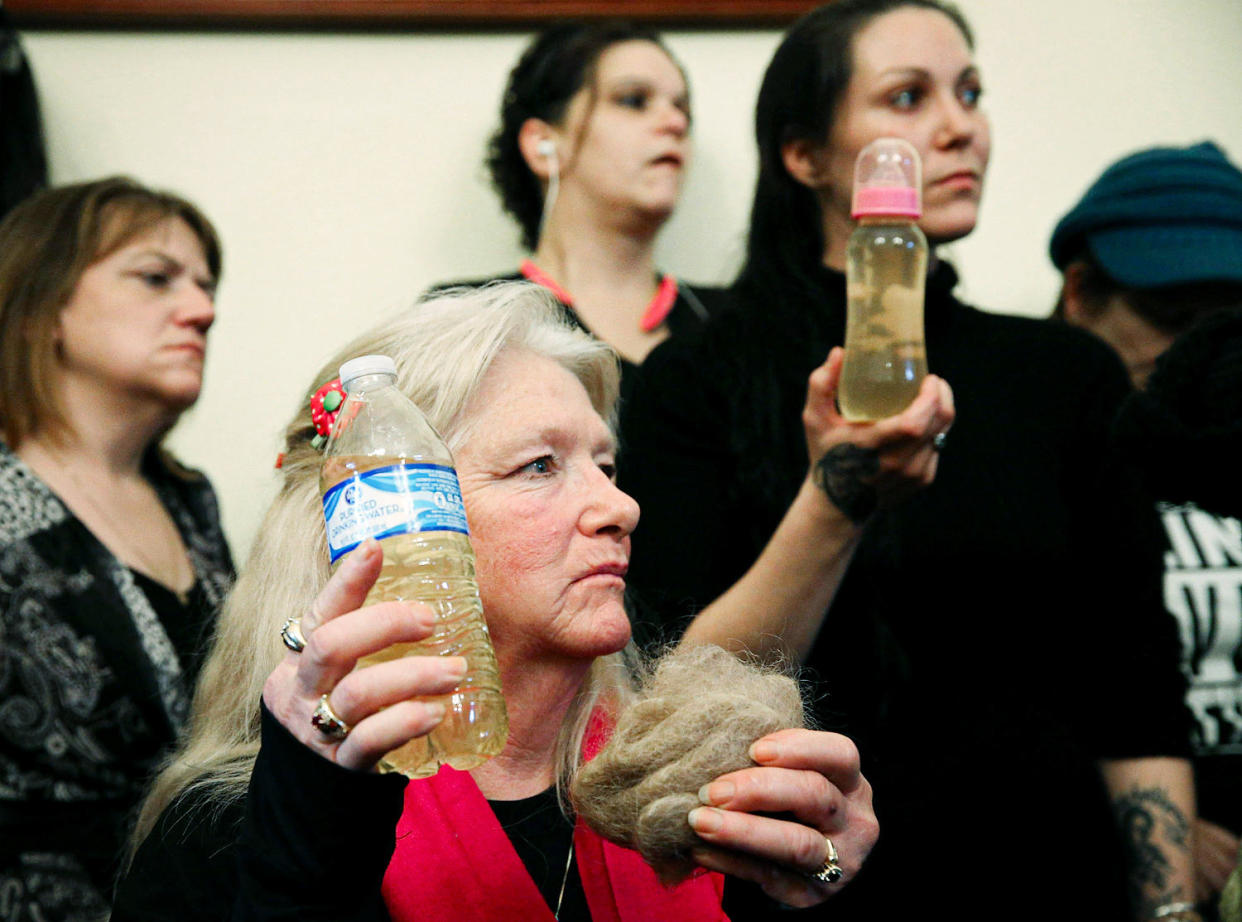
x: 97, y: 666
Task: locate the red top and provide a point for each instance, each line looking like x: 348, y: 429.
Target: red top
x: 454, y: 863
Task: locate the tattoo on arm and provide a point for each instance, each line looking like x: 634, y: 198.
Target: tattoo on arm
x: 1152, y: 829
x: 844, y: 473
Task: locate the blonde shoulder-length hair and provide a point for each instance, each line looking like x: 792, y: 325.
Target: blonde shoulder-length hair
x: 442, y: 347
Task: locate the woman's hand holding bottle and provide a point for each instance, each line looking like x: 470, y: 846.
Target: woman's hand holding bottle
x: 376, y: 703
x: 862, y: 465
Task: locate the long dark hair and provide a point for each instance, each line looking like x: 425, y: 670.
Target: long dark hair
x: 782, y: 276
x: 23, y: 160
x: 798, y: 99
x: 557, y: 64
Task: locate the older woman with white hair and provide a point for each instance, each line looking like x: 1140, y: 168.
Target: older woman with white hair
x: 260, y: 815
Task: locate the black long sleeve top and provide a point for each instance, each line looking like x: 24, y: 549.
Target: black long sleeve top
x: 995, y: 635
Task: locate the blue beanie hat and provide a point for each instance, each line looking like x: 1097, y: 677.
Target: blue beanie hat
x: 1162, y: 216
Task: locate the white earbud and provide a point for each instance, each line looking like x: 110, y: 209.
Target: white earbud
x: 547, y: 148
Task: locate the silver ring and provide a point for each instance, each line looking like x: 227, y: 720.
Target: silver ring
x: 831, y: 872
x: 324, y: 720
x: 939, y: 439
x: 292, y: 635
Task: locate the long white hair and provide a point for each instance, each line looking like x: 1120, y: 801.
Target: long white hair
x: 442, y: 348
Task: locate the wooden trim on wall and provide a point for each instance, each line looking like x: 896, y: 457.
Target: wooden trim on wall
x: 406, y: 14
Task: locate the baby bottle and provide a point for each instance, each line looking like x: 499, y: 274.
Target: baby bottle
x: 885, y: 273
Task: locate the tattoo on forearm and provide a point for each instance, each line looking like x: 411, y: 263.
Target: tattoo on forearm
x: 1153, y: 828
x: 844, y: 473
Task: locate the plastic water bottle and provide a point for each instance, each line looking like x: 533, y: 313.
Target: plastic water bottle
x: 388, y: 475
x: 885, y: 277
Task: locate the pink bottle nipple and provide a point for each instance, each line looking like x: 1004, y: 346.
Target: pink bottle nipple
x: 888, y: 180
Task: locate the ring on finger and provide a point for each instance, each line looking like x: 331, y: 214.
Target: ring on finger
x: 831, y: 872
x: 326, y: 721
x: 291, y: 634
x: 939, y: 439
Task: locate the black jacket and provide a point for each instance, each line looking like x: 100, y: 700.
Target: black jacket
x: 995, y: 635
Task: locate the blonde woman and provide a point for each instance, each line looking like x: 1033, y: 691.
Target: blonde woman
x: 260, y: 815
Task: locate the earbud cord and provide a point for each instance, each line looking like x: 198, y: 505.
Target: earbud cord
x: 554, y: 184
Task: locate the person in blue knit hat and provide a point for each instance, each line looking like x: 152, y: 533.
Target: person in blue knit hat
x: 1153, y: 245
x: 1152, y: 264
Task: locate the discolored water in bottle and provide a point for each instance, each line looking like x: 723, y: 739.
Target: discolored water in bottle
x: 885, y: 356
x: 435, y: 567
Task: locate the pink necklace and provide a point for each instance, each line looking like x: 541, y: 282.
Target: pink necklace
x: 657, y: 309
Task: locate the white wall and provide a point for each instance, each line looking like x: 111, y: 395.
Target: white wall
x: 343, y: 171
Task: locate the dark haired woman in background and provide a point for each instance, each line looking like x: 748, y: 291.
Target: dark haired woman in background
x: 112, y: 562
x: 1012, y: 607
x: 589, y: 159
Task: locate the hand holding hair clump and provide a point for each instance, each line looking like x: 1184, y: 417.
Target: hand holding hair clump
x: 697, y: 714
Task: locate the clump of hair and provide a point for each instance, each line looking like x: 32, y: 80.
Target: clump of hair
x: 695, y: 717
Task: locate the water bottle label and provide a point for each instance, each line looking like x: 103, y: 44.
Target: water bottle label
x: 397, y: 500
